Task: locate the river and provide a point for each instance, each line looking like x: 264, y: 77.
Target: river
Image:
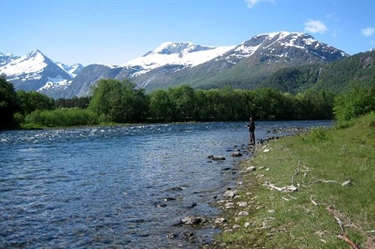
x: 118, y: 187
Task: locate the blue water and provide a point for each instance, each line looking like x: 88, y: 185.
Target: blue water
x: 104, y: 187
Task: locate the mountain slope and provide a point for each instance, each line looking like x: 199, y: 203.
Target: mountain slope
x: 159, y: 64
x: 37, y: 72
x: 357, y: 70
x: 33, y: 71
x: 251, y: 62
x: 245, y: 66
x: 72, y: 70
x: 335, y: 77
x: 89, y: 76
x: 182, y: 53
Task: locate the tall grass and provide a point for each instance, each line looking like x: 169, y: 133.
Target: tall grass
x: 317, y: 163
x: 63, y: 117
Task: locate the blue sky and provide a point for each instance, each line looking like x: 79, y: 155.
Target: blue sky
x: 116, y: 31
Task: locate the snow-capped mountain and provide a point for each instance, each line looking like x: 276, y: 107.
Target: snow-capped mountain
x: 90, y: 75
x: 72, y: 70
x: 168, y: 58
x: 36, y: 72
x: 174, y: 63
x: 175, y: 53
x: 6, y: 58
x: 280, y: 48
x: 248, y: 62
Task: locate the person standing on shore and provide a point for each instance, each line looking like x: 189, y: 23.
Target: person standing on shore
x: 251, y: 127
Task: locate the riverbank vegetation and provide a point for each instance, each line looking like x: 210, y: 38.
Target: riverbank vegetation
x: 118, y: 102
x: 313, y: 190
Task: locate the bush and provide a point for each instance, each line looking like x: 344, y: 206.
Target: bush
x: 354, y: 103
x: 318, y: 133
x: 62, y: 118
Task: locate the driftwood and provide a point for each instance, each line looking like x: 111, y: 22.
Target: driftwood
x: 313, y: 202
x: 290, y: 188
x: 295, y: 174
x: 344, y: 237
x: 349, y: 241
x: 325, y: 181
x: 339, y: 223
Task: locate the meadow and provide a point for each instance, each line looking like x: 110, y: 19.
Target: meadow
x: 312, y: 190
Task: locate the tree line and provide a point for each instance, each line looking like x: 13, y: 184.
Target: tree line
x: 116, y: 101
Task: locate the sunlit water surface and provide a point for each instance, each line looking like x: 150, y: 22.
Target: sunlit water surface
x: 105, y: 187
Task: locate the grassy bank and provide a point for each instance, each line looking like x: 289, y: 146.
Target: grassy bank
x: 333, y: 171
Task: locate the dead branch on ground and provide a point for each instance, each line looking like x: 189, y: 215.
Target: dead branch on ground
x: 324, y: 181
x: 290, y: 188
x: 349, y: 241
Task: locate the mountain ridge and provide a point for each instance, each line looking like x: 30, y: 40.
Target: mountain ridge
x: 176, y: 63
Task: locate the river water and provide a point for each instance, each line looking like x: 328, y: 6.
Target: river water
x: 118, y: 187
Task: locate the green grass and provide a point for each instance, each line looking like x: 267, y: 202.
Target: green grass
x: 317, y: 163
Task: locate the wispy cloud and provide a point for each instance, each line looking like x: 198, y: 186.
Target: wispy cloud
x: 315, y: 26
x: 251, y: 3
x: 368, y: 32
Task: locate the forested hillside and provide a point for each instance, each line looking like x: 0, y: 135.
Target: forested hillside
x: 335, y: 77
x: 339, y: 76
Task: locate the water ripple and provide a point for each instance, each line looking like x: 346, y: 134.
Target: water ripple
x: 100, y: 187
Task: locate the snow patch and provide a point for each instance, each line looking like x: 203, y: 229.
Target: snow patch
x: 169, y: 53
x: 30, y: 63
x: 53, y: 83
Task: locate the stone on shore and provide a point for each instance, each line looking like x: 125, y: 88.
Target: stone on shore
x: 230, y: 193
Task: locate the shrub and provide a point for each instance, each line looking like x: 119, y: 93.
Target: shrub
x: 62, y: 117
x: 318, y: 133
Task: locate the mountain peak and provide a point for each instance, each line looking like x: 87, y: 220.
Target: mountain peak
x: 34, y: 53
x: 172, y: 63
x: 168, y: 48
x: 176, y: 53
x: 283, y: 34
x: 72, y: 70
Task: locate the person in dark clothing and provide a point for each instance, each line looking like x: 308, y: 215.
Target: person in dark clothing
x: 251, y: 127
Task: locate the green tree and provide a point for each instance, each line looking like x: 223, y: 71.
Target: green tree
x: 80, y: 102
x: 119, y: 101
x: 31, y: 101
x: 218, y: 104
x: 204, y: 112
x: 354, y: 103
x: 183, y: 100
x: 161, y: 108
x: 8, y: 103
x: 315, y: 105
x: 269, y: 104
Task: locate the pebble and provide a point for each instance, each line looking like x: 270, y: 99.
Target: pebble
x: 230, y: 193
x: 243, y: 213
x: 220, y: 220
x: 242, y: 204
x: 247, y: 224
x: 229, y: 205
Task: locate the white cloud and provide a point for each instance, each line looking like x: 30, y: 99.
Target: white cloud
x: 315, y: 26
x: 251, y: 3
x: 368, y: 31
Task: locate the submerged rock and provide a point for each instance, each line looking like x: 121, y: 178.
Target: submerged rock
x: 193, y: 220
x: 216, y: 158
x: 236, y: 154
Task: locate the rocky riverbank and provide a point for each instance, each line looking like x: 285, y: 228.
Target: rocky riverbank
x: 314, y: 190
x: 237, y: 202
